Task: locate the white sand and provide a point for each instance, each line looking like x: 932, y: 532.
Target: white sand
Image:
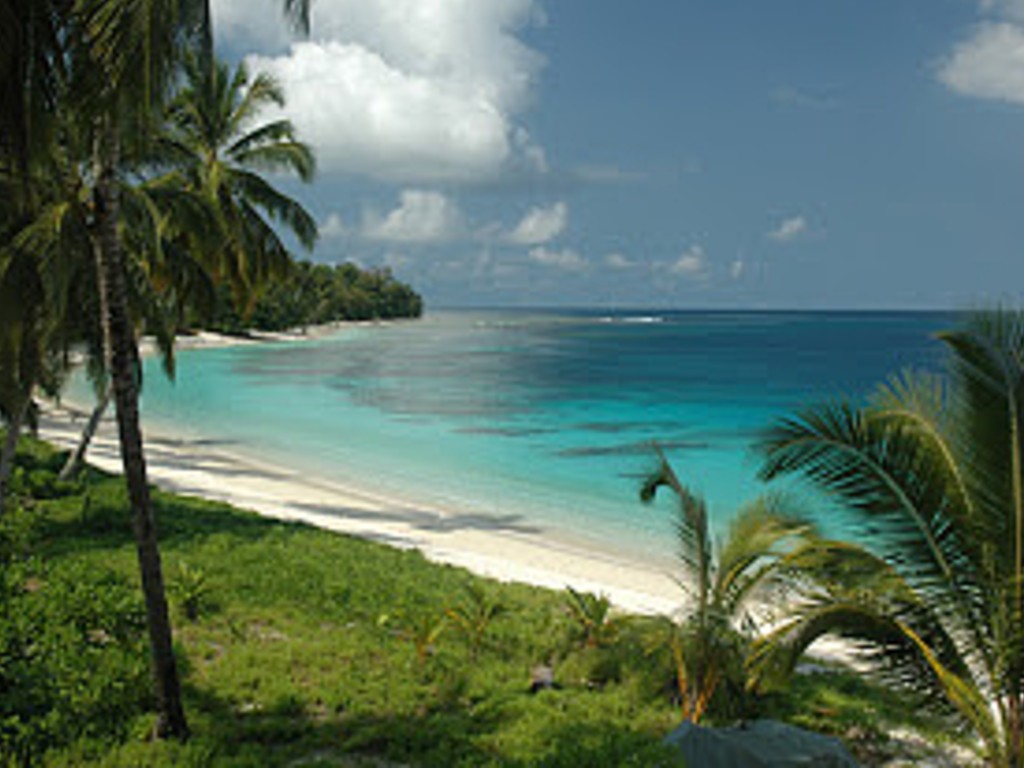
x: 212, y: 339
x: 485, y: 544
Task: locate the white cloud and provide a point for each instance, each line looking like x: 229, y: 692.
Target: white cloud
x: 421, y: 217
x: 1010, y: 9
x: 531, y: 156
x: 692, y: 262
x: 989, y: 64
x: 737, y: 268
x: 540, y: 225
x: 332, y: 227
x: 788, y: 230
x: 402, y: 90
x: 618, y: 261
x: 566, y: 259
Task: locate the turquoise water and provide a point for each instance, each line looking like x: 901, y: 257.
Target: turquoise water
x: 545, y: 418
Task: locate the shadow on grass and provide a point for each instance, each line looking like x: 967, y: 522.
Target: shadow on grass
x: 292, y: 731
x: 287, y: 733
x: 98, y: 517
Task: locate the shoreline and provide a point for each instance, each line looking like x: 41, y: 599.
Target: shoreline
x: 486, y: 544
x: 213, y: 339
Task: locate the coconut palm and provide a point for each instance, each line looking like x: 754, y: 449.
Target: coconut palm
x: 933, y: 470
x: 112, y: 62
x: 214, y: 150
x: 132, y: 49
x: 724, y: 583
x: 208, y: 204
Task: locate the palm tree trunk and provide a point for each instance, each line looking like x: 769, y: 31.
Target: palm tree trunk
x: 7, y: 455
x: 124, y: 372
x: 1015, y: 732
x: 206, y: 39
x: 77, y: 457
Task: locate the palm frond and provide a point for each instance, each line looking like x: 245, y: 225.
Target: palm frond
x: 988, y: 379
x: 33, y: 77
x: 133, y: 43
x: 258, y: 192
x: 262, y: 91
x: 269, y: 133
x: 691, y: 524
x: 917, y: 402
x: 876, y: 470
x: 153, y: 312
x: 280, y: 156
x: 759, y: 536
x: 971, y: 703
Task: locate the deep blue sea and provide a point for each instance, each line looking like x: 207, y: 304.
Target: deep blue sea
x: 544, y: 416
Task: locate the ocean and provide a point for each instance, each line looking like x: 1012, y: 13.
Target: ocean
x: 542, y: 419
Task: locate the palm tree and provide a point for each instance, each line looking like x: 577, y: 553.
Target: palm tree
x: 709, y: 645
x: 210, y: 152
x: 132, y: 48
x: 107, y: 61
x: 213, y: 150
x: 933, y: 470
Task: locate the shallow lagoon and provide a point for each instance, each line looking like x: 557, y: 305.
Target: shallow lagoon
x: 541, y: 419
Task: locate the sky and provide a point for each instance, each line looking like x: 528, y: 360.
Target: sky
x: 661, y: 153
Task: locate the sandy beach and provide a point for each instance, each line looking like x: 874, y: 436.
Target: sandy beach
x: 497, y: 546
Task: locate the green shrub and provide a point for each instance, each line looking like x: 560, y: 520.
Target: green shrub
x: 17, y: 532
x: 474, y: 614
x: 72, y: 657
x: 294, y: 667
x: 190, y: 588
x: 592, y: 614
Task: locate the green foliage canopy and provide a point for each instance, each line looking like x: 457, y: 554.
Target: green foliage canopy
x: 312, y: 294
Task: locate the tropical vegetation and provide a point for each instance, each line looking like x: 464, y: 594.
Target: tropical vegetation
x: 317, y: 294
x: 212, y: 146
x: 336, y: 659
x: 86, y: 82
x: 932, y: 473
x: 724, y: 585
x: 131, y: 198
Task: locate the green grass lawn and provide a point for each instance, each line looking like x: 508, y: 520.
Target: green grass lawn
x: 300, y: 647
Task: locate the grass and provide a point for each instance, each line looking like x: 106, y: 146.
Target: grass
x: 300, y: 647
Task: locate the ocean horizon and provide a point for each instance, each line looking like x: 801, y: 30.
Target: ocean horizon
x: 543, y: 419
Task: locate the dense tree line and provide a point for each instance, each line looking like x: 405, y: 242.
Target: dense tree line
x: 312, y: 294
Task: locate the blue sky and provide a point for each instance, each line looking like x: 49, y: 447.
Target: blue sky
x: 685, y: 153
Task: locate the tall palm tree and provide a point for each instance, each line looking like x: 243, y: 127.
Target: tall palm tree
x: 710, y: 644
x: 209, y: 200
x: 111, y: 61
x: 933, y: 470
x: 132, y: 48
